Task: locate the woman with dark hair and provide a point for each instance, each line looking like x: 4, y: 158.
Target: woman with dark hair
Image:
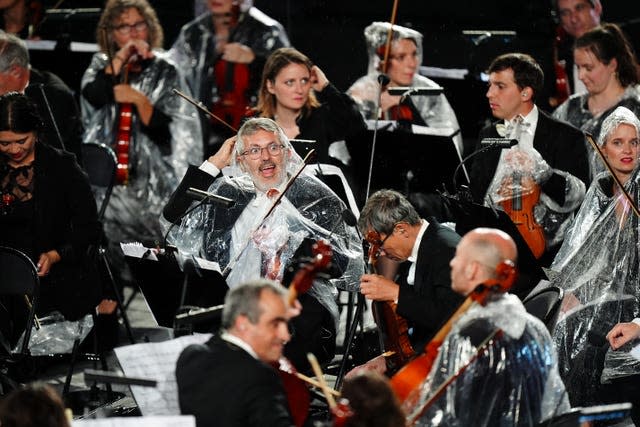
x: 36, y: 405
x: 160, y: 136
x: 298, y: 96
x: 609, y: 70
x: 47, y: 211
x: 372, y: 401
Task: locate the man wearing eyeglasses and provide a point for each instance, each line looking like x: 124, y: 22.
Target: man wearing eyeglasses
x: 424, y: 296
x: 272, y: 222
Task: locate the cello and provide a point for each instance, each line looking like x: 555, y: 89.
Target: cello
x: 407, y: 380
x: 233, y: 80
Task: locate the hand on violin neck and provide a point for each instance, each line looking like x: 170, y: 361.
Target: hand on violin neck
x: 134, y: 50
x: 124, y: 93
x: 378, y: 288
x: 387, y: 101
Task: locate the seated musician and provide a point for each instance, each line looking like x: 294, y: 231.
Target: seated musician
x: 405, y: 57
x: 164, y: 132
x: 508, y: 380
x: 248, y: 244
x: 223, y: 52
x: 228, y: 381
x: 550, y: 155
x: 598, y: 269
x: 299, y: 97
x: 48, y: 212
x: 424, y: 297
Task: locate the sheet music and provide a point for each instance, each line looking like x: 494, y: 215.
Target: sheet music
x: 167, y: 421
x: 425, y: 130
x: 51, y: 45
x: 138, y: 250
x: 156, y: 361
x: 382, y: 124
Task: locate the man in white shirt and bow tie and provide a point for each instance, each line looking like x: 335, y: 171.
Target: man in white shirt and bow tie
x: 261, y: 236
x: 550, y: 154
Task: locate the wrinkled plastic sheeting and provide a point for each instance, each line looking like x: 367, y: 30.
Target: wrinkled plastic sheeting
x: 56, y: 335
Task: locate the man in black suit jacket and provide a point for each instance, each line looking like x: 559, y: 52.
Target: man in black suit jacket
x: 228, y: 381
x: 425, y: 298
x: 551, y: 152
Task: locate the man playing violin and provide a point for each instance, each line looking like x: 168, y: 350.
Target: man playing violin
x: 228, y: 381
x: 500, y: 358
x: 233, y: 36
x: 550, y: 155
x: 271, y: 223
x: 423, y: 295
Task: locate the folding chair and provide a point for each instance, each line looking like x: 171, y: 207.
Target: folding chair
x: 100, y: 163
x: 545, y: 305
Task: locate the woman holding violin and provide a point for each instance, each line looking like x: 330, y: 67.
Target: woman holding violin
x: 479, y: 374
x: 403, y: 59
x: 299, y: 97
x: 598, y: 269
x: 127, y: 103
x: 223, y: 52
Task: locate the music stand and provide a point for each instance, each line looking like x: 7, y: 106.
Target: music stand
x: 404, y: 161
x: 469, y: 215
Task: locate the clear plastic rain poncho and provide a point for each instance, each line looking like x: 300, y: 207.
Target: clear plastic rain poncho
x: 434, y: 110
x: 518, y: 169
x: 510, y: 381
x: 246, y: 247
x: 134, y: 208
x: 597, y: 266
x: 575, y: 110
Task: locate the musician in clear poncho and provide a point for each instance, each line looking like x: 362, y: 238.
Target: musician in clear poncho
x: 405, y: 57
x: 497, y: 365
x: 597, y: 266
x: 247, y: 245
x: 165, y: 131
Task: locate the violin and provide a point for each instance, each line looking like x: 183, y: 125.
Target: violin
x: 562, y: 91
x: 520, y: 207
x: 408, y: 379
x: 125, y: 119
x: 233, y: 80
x: 296, y: 390
x: 393, y: 330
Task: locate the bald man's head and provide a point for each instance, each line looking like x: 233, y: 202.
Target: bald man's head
x: 478, y: 254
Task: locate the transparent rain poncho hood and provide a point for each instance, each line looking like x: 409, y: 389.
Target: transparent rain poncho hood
x: 597, y: 266
x: 434, y: 110
x: 248, y: 248
x: 134, y: 208
x: 513, y: 381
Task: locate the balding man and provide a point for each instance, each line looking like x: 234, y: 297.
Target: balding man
x: 504, y: 356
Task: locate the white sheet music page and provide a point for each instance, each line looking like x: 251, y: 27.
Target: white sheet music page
x: 156, y: 361
x: 160, y: 421
x: 138, y: 250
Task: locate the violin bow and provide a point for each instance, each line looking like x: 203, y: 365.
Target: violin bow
x: 200, y: 106
x: 613, y: 175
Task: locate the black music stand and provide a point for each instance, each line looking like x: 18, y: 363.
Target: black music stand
x: 469, y: 215
x: 403, y: 161
x: 166, y: 288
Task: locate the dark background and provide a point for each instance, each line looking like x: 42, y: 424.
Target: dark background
x: 330, y: 32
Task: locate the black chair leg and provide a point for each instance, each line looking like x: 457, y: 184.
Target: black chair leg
x: 357, y: 319
x: 118, y: 296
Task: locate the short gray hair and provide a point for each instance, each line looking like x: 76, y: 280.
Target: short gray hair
x: 253, y: 126
x: 244, y: 300
x: 385, y: 209
x: 13, y: 51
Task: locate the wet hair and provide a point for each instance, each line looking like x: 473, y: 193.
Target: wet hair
x: 19, y: 114
x: 385, y: 209
x: 244, y: 300
x: 13, y: 51
x: 607, y: 42
x: 114, y: 9
x: 279, y: 59
x: 36, y: 405
x: 526, y: 71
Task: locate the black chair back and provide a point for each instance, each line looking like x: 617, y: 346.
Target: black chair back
x: 20, y: 277
x: 545, y: 305
x: 100, y: 163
